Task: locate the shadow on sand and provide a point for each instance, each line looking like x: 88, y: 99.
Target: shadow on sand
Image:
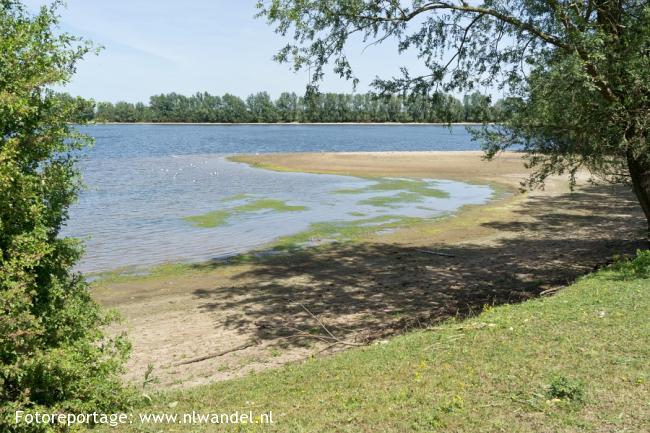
x: 367, y: 290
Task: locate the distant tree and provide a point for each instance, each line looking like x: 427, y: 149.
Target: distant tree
x: 53, y: 354
x: 142, y: 113
x: 286, y: 107
x: 418, y: 108
x: 477, y: 108
x: 505, y: 108
x: 105, y: 112
x: 124, y: 112
x: 448, y: 108
x: 313, y: 107
x: 261, y: 108
x: 580, y: 68
x: 84, y: 110
x: 161, y: 107
x: 233, y: 109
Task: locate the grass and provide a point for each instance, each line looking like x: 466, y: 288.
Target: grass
x: 574, y: 362
x: 220, y: 217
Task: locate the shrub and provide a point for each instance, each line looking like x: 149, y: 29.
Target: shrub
x: 563, y: 388
x: 53, y: 355
x: 639, y: 267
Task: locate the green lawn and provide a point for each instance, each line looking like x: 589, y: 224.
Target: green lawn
x: 576, y: 361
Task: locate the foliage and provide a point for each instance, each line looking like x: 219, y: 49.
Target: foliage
x: 563, y: 388
x: 289, y: 107
x: 53, y: 355
x: 639, y: 268
x: 577, y: 74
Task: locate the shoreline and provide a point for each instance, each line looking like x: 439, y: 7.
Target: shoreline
x: 506, y: 169
x: 507, y: 250
x: 293, y: 123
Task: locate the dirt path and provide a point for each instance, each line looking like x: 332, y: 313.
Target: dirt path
x: 505, y: 251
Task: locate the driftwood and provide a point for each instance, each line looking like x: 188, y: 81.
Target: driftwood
x: 329, y: 338
x: 218, y: 354
x: 550, y: 291
x: 435, y: 253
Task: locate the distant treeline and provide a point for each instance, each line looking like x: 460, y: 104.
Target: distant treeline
x: 289, y: 107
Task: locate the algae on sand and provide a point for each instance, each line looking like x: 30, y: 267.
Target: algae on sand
x: 412, y: 186
x: 220, y: 217
x: 390, y: 200
x: 344, y: 230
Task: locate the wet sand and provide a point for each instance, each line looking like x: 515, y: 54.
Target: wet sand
x: 268, y: 309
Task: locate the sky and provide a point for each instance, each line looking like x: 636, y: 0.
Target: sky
x: 218, y: 46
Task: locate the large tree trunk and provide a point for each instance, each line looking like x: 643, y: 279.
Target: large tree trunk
x: 640, y: 173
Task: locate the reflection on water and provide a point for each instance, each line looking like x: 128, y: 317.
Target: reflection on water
x: 142, y: 204
x: 136, y: 210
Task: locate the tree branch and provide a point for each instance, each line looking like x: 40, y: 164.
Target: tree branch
x: 464, y: 7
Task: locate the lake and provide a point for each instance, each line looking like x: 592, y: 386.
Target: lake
x: 167, y: 193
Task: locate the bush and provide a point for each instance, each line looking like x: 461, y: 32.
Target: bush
x: 639, y: 267
x: 562, y: 388
x: 53, y: 355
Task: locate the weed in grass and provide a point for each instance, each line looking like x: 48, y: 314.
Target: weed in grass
x: 563, y: 388
x: 148, y: 376
x: 637, y: 268
x: 455, y: 404
x: 428, y: 421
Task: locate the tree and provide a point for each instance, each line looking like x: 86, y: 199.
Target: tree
x: 476, y: 108
x: 261, y: 108
x: 84, y: 108
x: 124, y: 112
x: 105, y: 112
x: 53, y: 355
x: 233, y: 109
x: 580, y: 68
x: 287, y: 107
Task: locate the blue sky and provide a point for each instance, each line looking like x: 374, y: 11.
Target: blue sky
x: 218, y: 46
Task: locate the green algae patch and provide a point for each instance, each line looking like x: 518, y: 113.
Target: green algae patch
x: 390, y: 200
x: 344, y: 230
x: 211, y: 219
x: 268, y: 204
x: 220, y: 217
x: 413, y: 186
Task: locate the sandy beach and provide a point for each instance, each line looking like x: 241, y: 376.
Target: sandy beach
x: 269, y: 310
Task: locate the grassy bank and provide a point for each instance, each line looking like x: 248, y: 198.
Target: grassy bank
x: 576, y: 361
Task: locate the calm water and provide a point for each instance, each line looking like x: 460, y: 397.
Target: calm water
x: 144, y: 180
x: 127, y: 141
